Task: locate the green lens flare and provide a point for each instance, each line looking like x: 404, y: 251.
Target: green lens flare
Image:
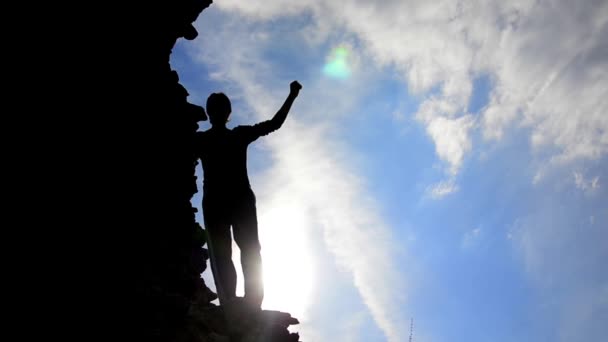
x: 337, y: 66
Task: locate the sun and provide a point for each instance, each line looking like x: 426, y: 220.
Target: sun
x: 287, y: 261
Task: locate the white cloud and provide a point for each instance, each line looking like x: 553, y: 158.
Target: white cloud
x: 451, y: 138
x: 308, y: 174
x: 264, y: 10
x: 585, y: 185
x: 538, y: 176
x: 548, y: 62
x: 442, y: 189
x: 556, y: 83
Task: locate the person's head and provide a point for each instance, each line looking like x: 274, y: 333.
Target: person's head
x: 218, y: 108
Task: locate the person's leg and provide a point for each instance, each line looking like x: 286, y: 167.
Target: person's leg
x: 220, y: 247
x: 245, y: 228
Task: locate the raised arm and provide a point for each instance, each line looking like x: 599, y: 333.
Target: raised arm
x: 277, y: 120
x: 251, y: 133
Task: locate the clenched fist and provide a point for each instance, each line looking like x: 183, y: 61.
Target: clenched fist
x: 294, y: 88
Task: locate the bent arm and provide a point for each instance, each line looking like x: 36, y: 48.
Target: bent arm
x: 251, y: 133
x: 279, y: 118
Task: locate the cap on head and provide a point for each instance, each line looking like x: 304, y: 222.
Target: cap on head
x: 218, y: 108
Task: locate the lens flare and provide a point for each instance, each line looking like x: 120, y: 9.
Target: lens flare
x: 337, y: 65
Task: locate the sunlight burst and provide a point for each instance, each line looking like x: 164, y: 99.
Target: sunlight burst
x: 287, y: 260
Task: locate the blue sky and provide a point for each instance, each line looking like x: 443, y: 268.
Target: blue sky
x: 454, y: 173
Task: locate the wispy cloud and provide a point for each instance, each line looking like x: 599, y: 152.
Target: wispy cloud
x: 586, y: 185
x: 471, y: 237
x: 442, y: 189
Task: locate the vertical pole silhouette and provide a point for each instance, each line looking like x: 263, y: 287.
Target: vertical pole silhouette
x: 411, y: 329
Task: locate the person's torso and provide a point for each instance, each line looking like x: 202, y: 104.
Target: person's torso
x: 224, y: 159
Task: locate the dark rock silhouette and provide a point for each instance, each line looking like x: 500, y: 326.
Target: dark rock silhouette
x: 143, y: 178
x: 237, y: 322
x: 110, y: 138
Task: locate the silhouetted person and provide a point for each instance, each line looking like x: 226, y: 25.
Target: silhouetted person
x: 227, y: 196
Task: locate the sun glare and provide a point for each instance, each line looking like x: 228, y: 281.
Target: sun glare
x: 287, y: 260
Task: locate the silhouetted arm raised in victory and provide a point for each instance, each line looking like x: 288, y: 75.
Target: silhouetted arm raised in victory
x: 266, y: 127
x: 281, y: 115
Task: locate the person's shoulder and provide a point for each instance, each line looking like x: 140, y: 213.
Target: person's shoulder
x: 245, y: 133
x: 241, y: 129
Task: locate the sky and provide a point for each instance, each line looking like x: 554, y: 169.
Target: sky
x: 446, y: 162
